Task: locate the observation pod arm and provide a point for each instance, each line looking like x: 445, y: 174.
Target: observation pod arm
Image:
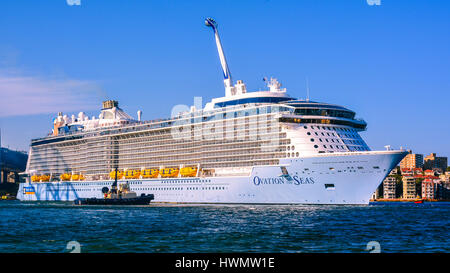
x: 226, y: 71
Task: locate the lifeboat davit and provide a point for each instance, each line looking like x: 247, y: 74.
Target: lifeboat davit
x: 169, y: 172
x: 150, y: 173
x: 188, y: 171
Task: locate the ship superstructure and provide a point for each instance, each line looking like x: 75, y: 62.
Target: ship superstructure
x: 245, y: 147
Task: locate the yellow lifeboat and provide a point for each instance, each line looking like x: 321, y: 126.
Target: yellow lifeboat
x: 132, y: 174
x: 82, y: 177
x: 150, y: 173
x: 45, y: 178
x: 112, y: 174
x: 35, y: 178
x: 65, y: 176
x: 169, y: 172
x: 75, y: 177
x: 188, y: 171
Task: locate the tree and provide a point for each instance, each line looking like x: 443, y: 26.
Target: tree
x: 419, y: 186
x: 398, y: 186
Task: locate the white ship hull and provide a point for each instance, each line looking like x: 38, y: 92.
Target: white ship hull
x: 340, y: 178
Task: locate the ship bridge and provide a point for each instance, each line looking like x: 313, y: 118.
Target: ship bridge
x: 307, y: 111
x: 307, y: 107
x: 312, y: 108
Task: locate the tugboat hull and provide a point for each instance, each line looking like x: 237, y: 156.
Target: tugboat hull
x: 141, y: 200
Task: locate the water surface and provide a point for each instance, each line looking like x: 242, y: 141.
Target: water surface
x: 398, y: 227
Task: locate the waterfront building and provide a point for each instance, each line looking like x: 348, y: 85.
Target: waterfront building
x: 406, y: 171
x: 437, y: 171
x: 409, y: 187
x: 432, y: 161
x: 444, y: 190
x: 412, y: 161
x: 445, y: 177
x: 389, y: 187
x: 376, y: 194
x: 430, y: 188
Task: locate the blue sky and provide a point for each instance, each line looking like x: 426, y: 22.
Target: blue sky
x: 389, y: 63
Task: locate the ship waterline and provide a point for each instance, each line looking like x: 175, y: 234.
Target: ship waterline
x: 246, y: 147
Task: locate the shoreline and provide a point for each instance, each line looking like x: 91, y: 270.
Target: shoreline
x: 409, y: 200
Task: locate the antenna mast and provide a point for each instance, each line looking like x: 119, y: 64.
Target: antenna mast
x: 307, y: 89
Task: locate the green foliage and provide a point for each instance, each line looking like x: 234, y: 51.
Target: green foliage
x: 419, y: 186
x: 399, y: 189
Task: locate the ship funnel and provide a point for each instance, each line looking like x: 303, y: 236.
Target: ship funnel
x: 139, y: 113
x: 226, y: 71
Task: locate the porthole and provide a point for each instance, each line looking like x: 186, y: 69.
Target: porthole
x: 315, y: 146
x: 308, y: 133
x: 306, y: 127
x: 312, y: 139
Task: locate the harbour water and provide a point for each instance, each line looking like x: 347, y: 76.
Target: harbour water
x: 397, y: 227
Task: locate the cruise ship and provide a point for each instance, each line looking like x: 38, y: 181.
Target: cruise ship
x: 262, y: 147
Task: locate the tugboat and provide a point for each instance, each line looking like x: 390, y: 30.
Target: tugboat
x: 114, y: 196
x: 418, y: 201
